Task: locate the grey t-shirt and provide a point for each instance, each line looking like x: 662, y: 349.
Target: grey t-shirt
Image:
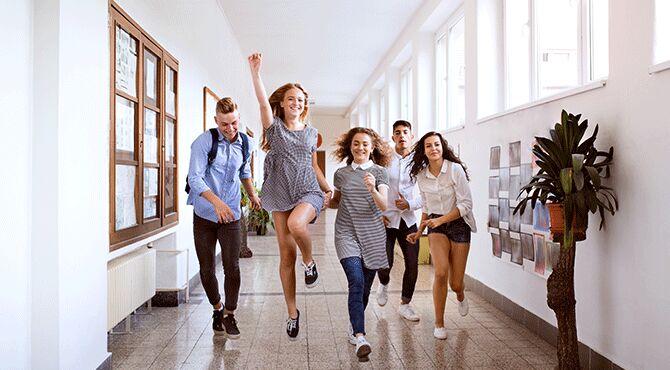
x: 359, y: 229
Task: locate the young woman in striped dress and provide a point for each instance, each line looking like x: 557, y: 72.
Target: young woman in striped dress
x: 360, y: 236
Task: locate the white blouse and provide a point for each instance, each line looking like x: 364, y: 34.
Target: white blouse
x: 449, y: 190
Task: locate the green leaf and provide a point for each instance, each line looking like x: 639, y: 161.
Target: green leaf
x: 577, y: 162
x: 579, y: 180
x: 594, y: 175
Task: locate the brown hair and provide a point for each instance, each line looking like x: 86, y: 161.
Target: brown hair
x: 275, y: 104
x: 226, y: 105
x: 381, y: 151
x: 420, y: 160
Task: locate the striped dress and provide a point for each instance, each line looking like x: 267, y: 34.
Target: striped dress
x: 359, y: 229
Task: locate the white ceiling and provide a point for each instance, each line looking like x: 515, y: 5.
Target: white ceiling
x: 329, y: 46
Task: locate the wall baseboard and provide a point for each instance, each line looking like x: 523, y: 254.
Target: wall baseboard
x: 106, y: 364
x: 588, y: 358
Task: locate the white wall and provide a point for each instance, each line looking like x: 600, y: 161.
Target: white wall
x: 15, y: 159
x: 621, y: 273
x: 330, y: 127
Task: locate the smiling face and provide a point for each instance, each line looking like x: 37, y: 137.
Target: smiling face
x: 361, y: 147
x: 293, y: 103
x: 402, y: 137
x: 433, y: 147
x: 228, y: 124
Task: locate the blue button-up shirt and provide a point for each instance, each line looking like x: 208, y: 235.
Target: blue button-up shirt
x: 222, y: 177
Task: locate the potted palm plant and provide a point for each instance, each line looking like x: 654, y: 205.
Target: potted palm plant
x: 569, y: 182
x: 258, y: 220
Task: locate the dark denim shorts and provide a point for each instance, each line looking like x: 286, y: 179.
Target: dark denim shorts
x: 457, y: 230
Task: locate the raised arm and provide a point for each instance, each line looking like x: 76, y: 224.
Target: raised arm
x: 255, y: 62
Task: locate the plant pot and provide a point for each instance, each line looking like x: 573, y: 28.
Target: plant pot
x: 557, y: 224
x: 262, y: 229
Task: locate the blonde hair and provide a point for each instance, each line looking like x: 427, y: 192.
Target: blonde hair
x: 275, y: 100
x: 381, y: 151
x: 226, y: 105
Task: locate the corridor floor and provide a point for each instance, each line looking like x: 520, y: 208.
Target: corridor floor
x: 181, y: 337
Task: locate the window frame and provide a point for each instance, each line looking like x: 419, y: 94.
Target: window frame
x: 161, y: 221
x: 586, y: 66
x: 407, y: 92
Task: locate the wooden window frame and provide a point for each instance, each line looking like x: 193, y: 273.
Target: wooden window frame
x: 150, y: 226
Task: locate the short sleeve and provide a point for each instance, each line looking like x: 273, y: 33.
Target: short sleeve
x: 381, y: 177
x: 337, y: 179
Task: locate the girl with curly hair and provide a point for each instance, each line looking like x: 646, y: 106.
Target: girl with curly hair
x: 360, y: 236
x: 294, y: 188
x: 447, y: 212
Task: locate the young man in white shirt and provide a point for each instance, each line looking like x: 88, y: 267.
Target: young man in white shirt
x: 400, y: 221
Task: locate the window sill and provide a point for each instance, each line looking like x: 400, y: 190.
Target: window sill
x: 574, y: 91
x: 452, y: 129
x: 144, y: 240
x: 659, y: 67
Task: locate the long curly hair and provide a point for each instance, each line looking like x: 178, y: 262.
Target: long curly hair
x: 275, y: 100
x: 420, y: 161
x: 381, y: 151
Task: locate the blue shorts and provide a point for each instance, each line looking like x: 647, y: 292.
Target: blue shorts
x: 457, y: 230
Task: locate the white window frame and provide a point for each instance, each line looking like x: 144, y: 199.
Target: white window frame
x: 584, y: 50
x: 383, y: 116
x: 406, y: 92
x: 661, y: 63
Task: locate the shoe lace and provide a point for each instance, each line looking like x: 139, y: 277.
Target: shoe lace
x: 291, y: 324
x: 309, y: 270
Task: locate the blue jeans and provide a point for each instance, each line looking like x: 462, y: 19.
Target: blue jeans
x: 360, y: 281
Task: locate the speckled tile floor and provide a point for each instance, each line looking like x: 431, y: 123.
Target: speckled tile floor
x: 181, y: 337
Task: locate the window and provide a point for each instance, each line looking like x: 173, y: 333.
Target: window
x: 551, y: 46
x: 406, y: 97
x: 450, y: 74
x: 662, y: 31
x: 143, y: 133
x: 383, y: 122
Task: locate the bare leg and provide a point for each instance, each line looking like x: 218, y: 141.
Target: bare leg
x: 287, y: 257
x: 297, y: 223
x: 459, y: 258
x: 439, y: 250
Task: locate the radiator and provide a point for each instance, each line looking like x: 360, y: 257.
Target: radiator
x: 131, y: 281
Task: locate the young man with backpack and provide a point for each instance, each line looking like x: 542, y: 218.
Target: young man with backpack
x: 219, y: 163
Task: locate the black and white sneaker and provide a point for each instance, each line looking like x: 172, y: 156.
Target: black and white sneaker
x: 217, y: 322
x: 230, y: 325
x: 311, y: 275
x: 293, y: 327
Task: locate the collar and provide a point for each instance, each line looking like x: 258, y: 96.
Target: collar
x: 238, y: 137
x: 445, y: 167
x: 363, y: 166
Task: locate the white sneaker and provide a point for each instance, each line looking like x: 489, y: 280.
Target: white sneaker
x: 382, y: 294
x: 463, y: 307
x: 408, y: 313
x: 352, y: 337
x: 363, y: 348
x: 440, y: 333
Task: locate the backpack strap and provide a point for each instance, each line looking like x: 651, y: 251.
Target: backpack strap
x: 245, y: 149
x: 211, y: 156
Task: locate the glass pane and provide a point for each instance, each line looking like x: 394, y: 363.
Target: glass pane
x: 150, y: 182
x: 150, y: 207
x: 661, y: 31
x: 456, y: 75
x: 557, y: 45
x: 170, y: 90
x: 441, y: 81
x: 517, y: 52
x: 125, y: 128
x: 600, y: 38
x: 169, y: 140
x: 125, y: 215
x: 126, y: 62
x: 169, y: 190
x: 150, y: 77
x: 150, y: 136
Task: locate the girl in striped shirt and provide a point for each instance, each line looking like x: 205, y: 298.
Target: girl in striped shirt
x: 360, y: 236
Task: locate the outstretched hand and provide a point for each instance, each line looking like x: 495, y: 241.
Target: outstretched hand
x: 255, y: 62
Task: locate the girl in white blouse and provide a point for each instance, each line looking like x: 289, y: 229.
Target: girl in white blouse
x: 447, y: 212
